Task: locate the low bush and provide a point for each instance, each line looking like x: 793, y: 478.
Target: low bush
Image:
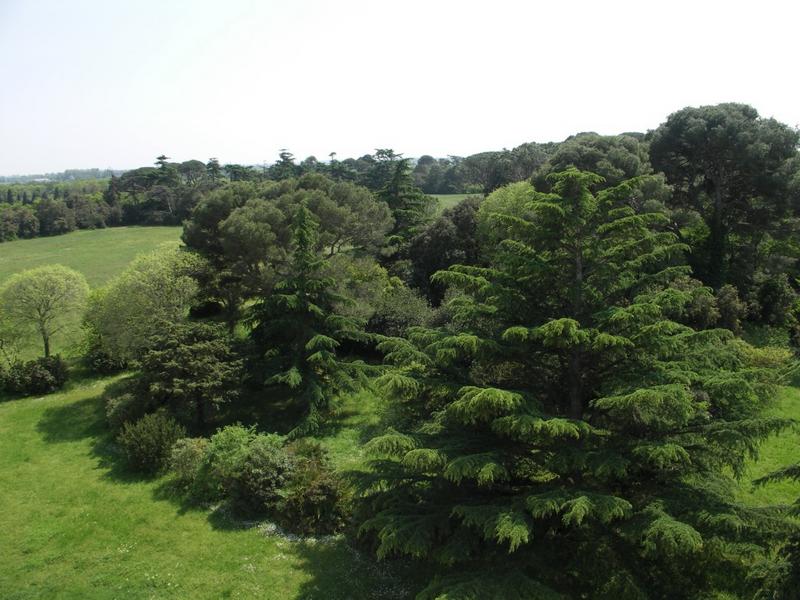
x: 98, y: 360
x: 147, y: 442
x: 226, y: 453
x: 265, y: 469
x: 315, y: 499
x: 186, y: 460
x: 124, y: 408
x: 39, y: 376
x: 258, y: 475
x: 732, y: 309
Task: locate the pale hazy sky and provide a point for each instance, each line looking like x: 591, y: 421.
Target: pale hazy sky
x: 114, y: 83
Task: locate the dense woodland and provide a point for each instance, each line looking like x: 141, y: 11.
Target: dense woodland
x: 567, y: 394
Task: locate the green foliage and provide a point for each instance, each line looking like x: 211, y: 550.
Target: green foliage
x: 147, y: 442
x: 192, y: 369
x: 314, y: 500
x: 734, y: 169
x: 44, y: 300
x: 154, y: 292
x: 615, y: 158
x: 450, y: 239
x: 124, y: 403
x: 410, y: 207
x: 297, y: 330
x: 38, y: 376
x: 244, y: 230
x: 262, y: 474
x: 570, y: 416
x: 186, y: 459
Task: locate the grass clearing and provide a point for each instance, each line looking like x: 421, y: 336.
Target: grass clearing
x: 98, y: 253
x: 72, y: 525
x: 778, y: 451
x: 449, y: 200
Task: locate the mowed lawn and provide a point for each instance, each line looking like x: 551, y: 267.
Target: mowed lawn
x: 99, y: 253
x: 75, y: 525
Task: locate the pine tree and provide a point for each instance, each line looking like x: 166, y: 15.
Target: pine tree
x: 410, y: 207
x: 298, y: 330
x: 568, y: 436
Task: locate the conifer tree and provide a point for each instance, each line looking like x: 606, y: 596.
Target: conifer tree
x: 410, y: 207
x: 298, y: 331
x: 566, y: 436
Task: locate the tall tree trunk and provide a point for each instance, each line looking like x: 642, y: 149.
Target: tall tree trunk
x: 46, y: 340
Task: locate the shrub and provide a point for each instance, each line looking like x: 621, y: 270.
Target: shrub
x: 39, y: 376
x: 148, y: 441
x: 265, y: 469
x: 99, y: 360
x: 775, y: 300
x: 226, y: 452
x: 237, y: 464
x: 314, y: 501
x: 186, y: 459
x: 124, y: 408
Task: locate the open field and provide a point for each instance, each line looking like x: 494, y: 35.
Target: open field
x: 449, y: 200
x: 72, y: 525
x: 99, y: 254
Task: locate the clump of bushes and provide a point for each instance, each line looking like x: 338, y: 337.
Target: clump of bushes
x: 186, y: 457
x: 259, y: 475
x: 99, y: 360
x: 38, y: 376
x: 147, y: 442
x: 315, y: 499
x: 126, y: 402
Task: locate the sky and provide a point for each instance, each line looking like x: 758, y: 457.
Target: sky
x: 115, y: 83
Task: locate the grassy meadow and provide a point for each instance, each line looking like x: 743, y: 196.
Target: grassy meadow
x: 98, y: 253
x: 449, y: 200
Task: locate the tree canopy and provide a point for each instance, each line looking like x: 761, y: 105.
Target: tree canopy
x: 567, y: 435
x: 45, y: 300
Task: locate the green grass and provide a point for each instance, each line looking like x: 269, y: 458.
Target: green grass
x: 73, y: 525
x: 99, y: 254
x: 449, y: 200
x: 778, y: 451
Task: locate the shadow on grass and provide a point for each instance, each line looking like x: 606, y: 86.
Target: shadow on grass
x: 73, y: 421
x: 339, y: 571
x: 85, y: 419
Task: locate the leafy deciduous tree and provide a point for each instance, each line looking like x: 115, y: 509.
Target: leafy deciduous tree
x: 47, y: 299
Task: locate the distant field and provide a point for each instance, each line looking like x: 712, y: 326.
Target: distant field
x: 449, y: 200
x: 99, y: 254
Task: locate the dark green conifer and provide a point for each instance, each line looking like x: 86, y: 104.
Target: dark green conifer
x: 298, y: 330
x: 567, y: 437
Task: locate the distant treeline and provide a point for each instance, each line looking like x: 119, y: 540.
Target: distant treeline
x: 166, y: 193
x: 68, y: 175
